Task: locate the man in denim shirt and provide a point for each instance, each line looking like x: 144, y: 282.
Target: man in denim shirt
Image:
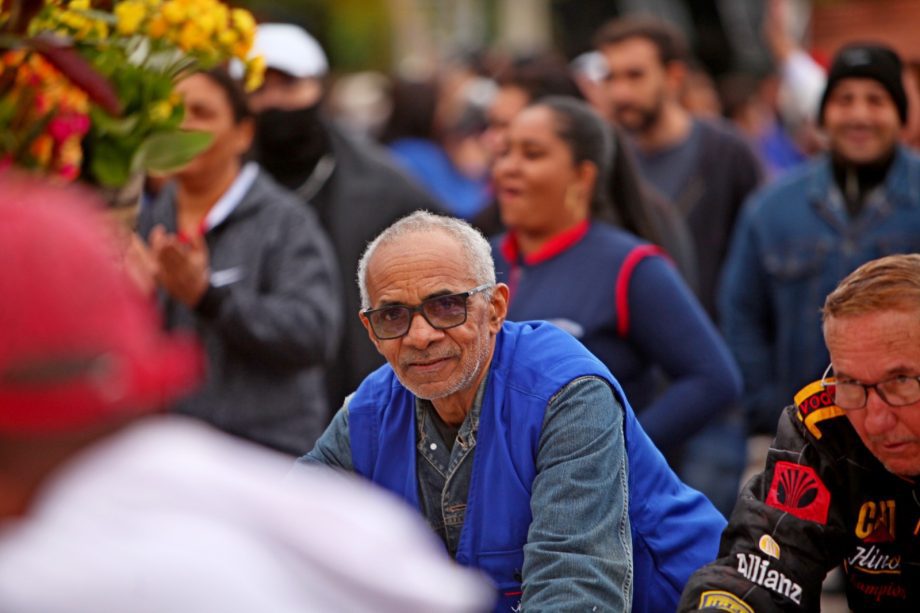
x: 511, y: 439
x: 800, y: 236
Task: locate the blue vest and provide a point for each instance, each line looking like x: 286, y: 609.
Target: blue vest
x: 675, y: 529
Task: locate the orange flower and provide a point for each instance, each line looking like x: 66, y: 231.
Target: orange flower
x: 42, y: 148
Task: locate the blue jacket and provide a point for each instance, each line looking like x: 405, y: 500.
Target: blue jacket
x: 674, y: 528
x: 794, y: 243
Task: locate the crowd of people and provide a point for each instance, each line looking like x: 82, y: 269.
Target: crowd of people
x: 556, y: 311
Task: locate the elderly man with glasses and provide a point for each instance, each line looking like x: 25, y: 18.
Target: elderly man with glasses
x: 842, y: 479
x: 514, y: 442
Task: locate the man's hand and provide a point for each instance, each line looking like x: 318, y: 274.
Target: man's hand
x: 182, y: 267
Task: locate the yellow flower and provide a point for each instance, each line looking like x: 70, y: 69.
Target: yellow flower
x: 79, y: 5
x: 228, y: 38
x: 174, y: 12
x: 207, y: 24
x: 130, y: 15
x: 222, y: 17
x: 191, y: 37
x: 102, y: 30
x: 160, y: 111
x: 255, y: 73
x: 158, y: 27
x: 74, y: 21
x: 241, y: 50
x: 244, y: 22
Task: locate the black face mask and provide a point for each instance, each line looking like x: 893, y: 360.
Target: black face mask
x: 289, y: 143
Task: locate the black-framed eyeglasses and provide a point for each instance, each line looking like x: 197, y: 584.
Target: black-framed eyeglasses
x: 441, y: 312
x: 897, y: 391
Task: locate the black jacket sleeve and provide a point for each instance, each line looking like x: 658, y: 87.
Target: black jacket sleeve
x: 784, y: 535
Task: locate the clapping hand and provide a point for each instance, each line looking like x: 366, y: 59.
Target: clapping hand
x: 182, y: 267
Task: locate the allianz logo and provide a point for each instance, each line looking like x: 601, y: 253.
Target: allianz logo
x: 757, y: 570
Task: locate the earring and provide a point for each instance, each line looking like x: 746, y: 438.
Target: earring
x: 572, y: 198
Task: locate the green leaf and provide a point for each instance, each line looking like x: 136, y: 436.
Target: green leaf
x: 109, y: 164
x: 104, y: 123
x: 169, y: 151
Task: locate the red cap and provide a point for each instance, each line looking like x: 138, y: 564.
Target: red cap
x: 79, y: 344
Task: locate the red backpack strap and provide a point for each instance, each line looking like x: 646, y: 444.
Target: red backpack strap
x: 636, y: 255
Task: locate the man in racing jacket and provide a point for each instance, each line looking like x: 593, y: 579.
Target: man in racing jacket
x: 840, y: 483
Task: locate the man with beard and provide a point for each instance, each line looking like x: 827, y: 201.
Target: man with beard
x: 514, y: 441
x: 799, y: 237
x: 706, y: 170
x: 355, y: 188
x: 703, y: 167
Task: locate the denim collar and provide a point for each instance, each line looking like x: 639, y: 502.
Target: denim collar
x: 466, y: 436
x: 901, y: 186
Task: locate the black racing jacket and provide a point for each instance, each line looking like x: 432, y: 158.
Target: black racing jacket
x: 822, y: 500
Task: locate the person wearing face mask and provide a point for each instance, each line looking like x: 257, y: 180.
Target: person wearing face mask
x: 354, y: 187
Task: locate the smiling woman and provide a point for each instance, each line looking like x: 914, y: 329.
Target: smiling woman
x: 240, y: 261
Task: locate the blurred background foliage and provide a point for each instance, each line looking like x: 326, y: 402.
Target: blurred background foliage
x: 414, y: 35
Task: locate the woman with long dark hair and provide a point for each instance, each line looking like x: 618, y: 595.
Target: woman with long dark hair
x: 616, y: 293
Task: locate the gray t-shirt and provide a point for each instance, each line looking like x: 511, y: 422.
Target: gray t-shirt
x: 670, y: 169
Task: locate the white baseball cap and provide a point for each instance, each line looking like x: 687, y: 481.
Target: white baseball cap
x: 287, y: 48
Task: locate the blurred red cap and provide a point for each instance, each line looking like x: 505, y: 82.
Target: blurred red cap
x: 79, y: 344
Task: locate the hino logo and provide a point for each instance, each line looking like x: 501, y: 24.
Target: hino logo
x: 871, y: 559
x: 757, y: 570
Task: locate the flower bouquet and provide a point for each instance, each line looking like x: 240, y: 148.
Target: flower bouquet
x: 87, y: 86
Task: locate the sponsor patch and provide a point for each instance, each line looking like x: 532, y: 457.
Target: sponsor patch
x: 769, y: 546
x: 724, y: 601
x: 816, y: 403
x: 881, y: 592
x: 876, y: 521
x: 797, y: 489
x: 874, y: 561
x: 757, y: 570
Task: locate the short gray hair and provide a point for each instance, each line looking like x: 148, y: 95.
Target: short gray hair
x: 482, y: 266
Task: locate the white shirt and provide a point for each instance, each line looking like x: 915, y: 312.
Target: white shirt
x: 169, y: 515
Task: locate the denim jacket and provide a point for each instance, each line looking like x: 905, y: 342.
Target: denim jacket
x: 794, y: 242
x: 541, y: 469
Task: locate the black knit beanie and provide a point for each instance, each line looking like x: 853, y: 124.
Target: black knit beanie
x: 869, y: 61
